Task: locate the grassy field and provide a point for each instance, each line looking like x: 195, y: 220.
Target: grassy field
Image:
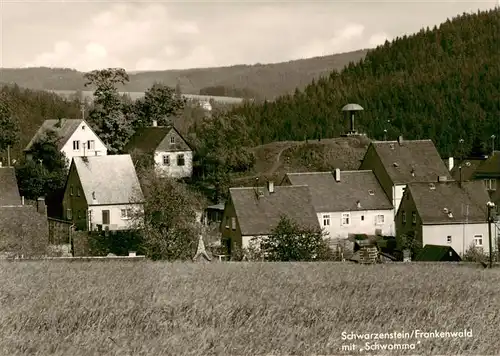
x: 275, y: 159
x: 146, y: 308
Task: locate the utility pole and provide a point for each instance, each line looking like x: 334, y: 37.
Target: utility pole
x: 8, y: 156
x: 492, y: 144
x: 490, y: 205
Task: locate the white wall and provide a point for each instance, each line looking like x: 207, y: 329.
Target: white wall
x: 397, y: 195
x: 360, y: 222
x: 115, y: 220
x: 462, y: 236
x: 247, y: 240
x: 173, y: 170
x: 84, y: 135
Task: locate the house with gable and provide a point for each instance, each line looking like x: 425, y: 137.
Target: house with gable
x: 76, y: 138
x: 348, y: 202
x: 253, y: 212
x: 445, y: 214
x: 21, y: 226
x: 102, y: 192
x: 397, y: 163
x: 173, y: 157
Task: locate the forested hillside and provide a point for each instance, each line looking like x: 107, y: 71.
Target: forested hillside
x: 442, y: 84
x: 259, y: 80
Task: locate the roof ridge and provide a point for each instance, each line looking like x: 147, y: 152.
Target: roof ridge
x: 297, y: 173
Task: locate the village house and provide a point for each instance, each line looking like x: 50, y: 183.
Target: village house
x: 253, y: 212
x: 102, y: 193
x: 486, y: 170
x: 24, y: 229
x: 348, y: 202
x: 173, y: 157
x: 76, y: 138
x: 445, y: 214
x: 397, y: 163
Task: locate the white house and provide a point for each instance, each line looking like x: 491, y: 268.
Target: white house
x: 348, y: 202
x: 172, y: 154
x: 76, y: 138
x: 253, y: 212
x: 445, y: 214
x: 102, y: 192
x: 397, y: 163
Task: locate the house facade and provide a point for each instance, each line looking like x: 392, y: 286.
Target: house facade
x: 102, y: 192
x: 253, y: 212
x: 172, y: 155
x: 445, y: 214
x: 397, y: 163
x: 76, y: 138
x: 348, y: 202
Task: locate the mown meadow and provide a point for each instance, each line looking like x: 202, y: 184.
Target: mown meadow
x: 157, y: 308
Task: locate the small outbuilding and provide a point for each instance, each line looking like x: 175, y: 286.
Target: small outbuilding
x: 438, y: 253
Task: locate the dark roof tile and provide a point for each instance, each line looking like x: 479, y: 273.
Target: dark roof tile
x: 9, y: 191
x: 150, y: 139
x: 64, y: 129
x: 260, y: 215
x: 418, y: 156
x: 328, y: 195
x: 434, y: 201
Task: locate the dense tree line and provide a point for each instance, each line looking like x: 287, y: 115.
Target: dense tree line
x: 441, y: 84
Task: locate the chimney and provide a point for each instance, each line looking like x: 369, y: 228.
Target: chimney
x: 0, y: 163
x: 337, y: 174
x: 451, y: 163
x: 270, y: 186
x: 155, y: 123
x: 400, y: 140
x: 22, y: 200
x: 40, y: 206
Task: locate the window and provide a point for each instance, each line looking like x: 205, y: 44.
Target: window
x: 326, y: 220
x: 71, y: 190
x: 166, y: 160
x: 76, y: 145
x: 83, y: 127
x: 233, y: 223
x: 69, y: 214
x: 478, y: 240
x: 362, y: 218
x: 490, y: 184
x: 91, y: 145
x: 180, y: 160
x: 126, y: 214
x: 79, y: 214
x: 227, y: 222
x: 448, y: 239
x: 379, y: 219
x: 105, y: 217
x: 172, y: 140
x: 413, y: 218
x: 77, y: 192
x: 346, y: 218
x: 403, y: 215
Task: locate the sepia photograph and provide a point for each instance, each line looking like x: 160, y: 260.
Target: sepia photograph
x: 243, y: 177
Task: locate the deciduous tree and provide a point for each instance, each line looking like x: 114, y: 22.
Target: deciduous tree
x: 170, y: 221
x: 291, y: 242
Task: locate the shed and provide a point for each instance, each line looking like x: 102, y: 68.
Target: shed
x: 438, y: 253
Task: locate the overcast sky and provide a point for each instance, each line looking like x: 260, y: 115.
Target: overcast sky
x: 159, y: 35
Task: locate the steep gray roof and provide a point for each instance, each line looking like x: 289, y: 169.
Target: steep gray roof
x: 9, y: 191
x: 64, y: 129
x: 157, y: 138
x: 113, y: 179
x: 419, y: 156
x: 19, y: 221
x: 260, y: 215
x: 431, y: 203
x: 328, y: 195
x: 469, y: 167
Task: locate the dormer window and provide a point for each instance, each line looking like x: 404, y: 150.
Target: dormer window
x: 93, y: 195
x: 395, y: 164
x: 371, y: 192
x: 172, y: 140
x: 413, y: 173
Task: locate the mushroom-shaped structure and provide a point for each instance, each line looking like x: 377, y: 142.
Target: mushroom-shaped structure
x: 351, y: 108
